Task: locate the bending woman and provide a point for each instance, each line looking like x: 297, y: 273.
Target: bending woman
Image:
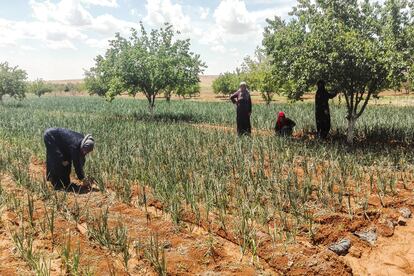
x: 64, y: 147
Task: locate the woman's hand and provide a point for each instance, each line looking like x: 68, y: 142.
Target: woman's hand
x: 65, y: 163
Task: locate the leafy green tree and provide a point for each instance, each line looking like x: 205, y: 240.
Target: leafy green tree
x: 98, y: 78
x: 348, y: 43
x: 259, y: 76
x: 409, y: 85
x: 39, y: 87
x: 396, y: 30
x: 227, y: 83
x: 151, y: 63
x: 12, y: 81
x: 190, y: 90
x: 68, y: 87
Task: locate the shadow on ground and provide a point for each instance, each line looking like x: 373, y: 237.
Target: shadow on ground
x: 77, y: 189
x: 167, y: 117
x: 374, y: 141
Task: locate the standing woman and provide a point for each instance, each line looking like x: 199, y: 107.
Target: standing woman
x: 244, y: 109
x: 64, y: 146
x: 322, y: 114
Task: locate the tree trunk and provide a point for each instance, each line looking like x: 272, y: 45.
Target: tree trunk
x: 351, y: 129
x: 150, y: 103
x: 168, y: 96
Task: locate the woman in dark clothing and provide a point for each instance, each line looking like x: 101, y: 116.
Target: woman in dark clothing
x: 284, y: 126
x: 322, y: 115
x: 244, y: 109
x: 64, y: 146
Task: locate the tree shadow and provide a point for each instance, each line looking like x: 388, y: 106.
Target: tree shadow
x: 167, y: 117
x: 13, y: 104
x: 376, y: 141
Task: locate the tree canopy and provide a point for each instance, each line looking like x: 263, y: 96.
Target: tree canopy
x: 258, y: 74
x: 227, y: 83
x: 357, y: 47
x: 39, y: 87
x: 150, y: 63
x: 12, y: 81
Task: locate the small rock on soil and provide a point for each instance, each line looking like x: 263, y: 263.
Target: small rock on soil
x: 341, y: 248
x: 369, y: 236
x: 405, y: 213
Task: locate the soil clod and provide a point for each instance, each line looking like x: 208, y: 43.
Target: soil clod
x: 386, y: 228
x: 402, y: 221
x: 355, y: 252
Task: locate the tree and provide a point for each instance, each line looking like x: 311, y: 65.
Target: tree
x: 190, y: 90
x: 347, y: 43
x: 39, y: 88
x: 12, y: 81
x: 67, y: 87
x: 98, y: 78
x: 409, y: 82
x: 227, y: 83
x: 258, y: 74
x: 395, y: 22
x: 150, y: 63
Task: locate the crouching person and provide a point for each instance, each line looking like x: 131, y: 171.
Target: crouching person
x: 284, y: 126
x: 64, y: 147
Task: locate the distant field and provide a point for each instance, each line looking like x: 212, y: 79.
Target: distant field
x: 207, y: 94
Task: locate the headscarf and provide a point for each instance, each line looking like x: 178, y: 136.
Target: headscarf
x: 88, y: 143
x: 243, y: 95
x: 279, y: 119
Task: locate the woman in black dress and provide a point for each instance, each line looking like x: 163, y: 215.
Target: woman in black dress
x: 243, y: 102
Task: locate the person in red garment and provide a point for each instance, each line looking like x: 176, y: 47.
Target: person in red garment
x: 284, y: 126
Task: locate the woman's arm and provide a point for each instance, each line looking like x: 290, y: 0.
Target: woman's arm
x: 234, y: 97
x: 290, y: 122
x: 78, y: 163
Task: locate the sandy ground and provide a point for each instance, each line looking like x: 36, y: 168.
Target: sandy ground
x: 391, y: 256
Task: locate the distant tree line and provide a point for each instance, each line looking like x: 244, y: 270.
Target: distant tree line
x: 13, y: 82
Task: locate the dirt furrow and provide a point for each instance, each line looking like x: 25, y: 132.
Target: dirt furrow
x: 67, y: 236
x: 186, y: 251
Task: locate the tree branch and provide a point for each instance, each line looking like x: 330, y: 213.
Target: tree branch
x: 348, y: 105
x: 351, y: 108
x: 365, y: 103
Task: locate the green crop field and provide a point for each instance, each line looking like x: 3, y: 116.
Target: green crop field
x: 262, y: 194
